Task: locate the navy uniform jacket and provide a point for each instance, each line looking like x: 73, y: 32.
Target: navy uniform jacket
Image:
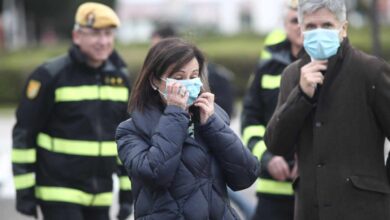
x: 63, y: 141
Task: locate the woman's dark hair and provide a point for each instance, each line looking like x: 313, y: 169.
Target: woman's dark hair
x: 169, y: 54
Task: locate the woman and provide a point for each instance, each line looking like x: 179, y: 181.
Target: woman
x: 178, y: 148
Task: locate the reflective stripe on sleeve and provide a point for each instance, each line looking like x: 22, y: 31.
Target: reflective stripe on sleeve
x: 77, y: 147
x: 265, y: 55
x: 82, y: 93
x: 62, y: 194
x: 27, y: 155
x: 259, y: 149
x: 24, y: 181
x: 124, y: 183
x: 252, y: 131
x: 270, y: 81
x: 274, y: 187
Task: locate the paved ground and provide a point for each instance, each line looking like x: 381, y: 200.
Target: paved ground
x: 7, y: 210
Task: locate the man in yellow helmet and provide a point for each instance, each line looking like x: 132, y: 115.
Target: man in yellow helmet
x: 274, y: 186
x: 64, y: 152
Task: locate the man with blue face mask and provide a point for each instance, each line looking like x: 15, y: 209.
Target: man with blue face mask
x: 333, y: 112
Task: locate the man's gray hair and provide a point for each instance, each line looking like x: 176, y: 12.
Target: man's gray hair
x: 336, y: 7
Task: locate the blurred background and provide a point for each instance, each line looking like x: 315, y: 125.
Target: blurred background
x: 230, y: 32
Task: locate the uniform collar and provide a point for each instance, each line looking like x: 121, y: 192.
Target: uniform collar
x: 281, y: 52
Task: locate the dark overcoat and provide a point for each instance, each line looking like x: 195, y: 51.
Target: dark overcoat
x: 338, y: 136
x: 176, y: 175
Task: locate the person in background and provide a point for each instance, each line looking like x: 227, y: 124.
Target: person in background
x: 333, y: 112
x: 178, y: 148
x: 220, y: 78
x: 162, y: 32
x: 64, y: 151
x: 274, y: 186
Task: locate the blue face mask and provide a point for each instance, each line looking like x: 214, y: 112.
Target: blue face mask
x: 320, y: 43
x: 193, y: 87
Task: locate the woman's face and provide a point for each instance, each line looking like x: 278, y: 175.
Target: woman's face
x: 188, y: 71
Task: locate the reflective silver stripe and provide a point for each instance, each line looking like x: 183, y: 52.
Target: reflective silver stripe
x: 124, y: 183
x: 252, y: 131
x: 77, y: 147
x: 23, y: 155
x: 62, y: 194
x: 270, y: 81
x: 24, y: 181
x: 274, y: 187
x: 82, y: 93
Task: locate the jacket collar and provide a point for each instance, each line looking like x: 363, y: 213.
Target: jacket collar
x: 281, y: 52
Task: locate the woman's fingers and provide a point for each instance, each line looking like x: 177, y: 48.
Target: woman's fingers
x: 177, y: 95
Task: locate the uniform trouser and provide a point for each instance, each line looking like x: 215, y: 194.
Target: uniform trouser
x: 73, y: 212
x: 274, y: 208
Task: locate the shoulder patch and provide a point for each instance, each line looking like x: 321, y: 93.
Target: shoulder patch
x: 33, y: 89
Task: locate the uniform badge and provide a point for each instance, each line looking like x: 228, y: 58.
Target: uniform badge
x: 107, y: 80
x: 33, y: 89
x: 113, y: 81
x: 90, y: 20
x: 119, y: 81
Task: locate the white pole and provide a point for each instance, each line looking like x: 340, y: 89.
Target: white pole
x: 14, y: 24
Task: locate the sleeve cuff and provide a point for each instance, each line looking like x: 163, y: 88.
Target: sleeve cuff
x: 311, y: 100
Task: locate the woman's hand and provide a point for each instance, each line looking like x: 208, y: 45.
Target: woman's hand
x: 205, y: 102
x: 177, y: 95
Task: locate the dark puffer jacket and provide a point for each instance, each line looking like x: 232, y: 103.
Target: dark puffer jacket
x: 176, y: 176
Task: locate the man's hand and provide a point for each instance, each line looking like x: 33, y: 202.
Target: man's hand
x: 125, y: 211
x: 311, y: 76
x: 278, y: 168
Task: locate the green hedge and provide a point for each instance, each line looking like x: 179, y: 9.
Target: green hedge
x: 238, y: 53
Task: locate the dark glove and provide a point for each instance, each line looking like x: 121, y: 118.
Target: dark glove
x: 26, y: 204
x: 125, y: 211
